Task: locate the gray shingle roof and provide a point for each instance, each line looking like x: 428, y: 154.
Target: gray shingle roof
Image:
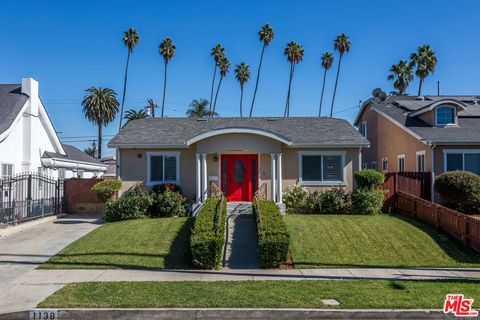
x: 11, y: 102
x: 73, y: 154
x: 467, y: 131
x: 298, y: 130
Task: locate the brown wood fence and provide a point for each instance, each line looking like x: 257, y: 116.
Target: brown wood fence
x: 415, y: 183
x: 459, y: 225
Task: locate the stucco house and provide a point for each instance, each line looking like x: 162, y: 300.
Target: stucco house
x: 239, y: 155
x: 28, y: 141
x: 421, y: 133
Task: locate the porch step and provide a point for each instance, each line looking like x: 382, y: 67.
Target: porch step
x: 241, y: 250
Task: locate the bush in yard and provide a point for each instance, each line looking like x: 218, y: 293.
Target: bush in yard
x: 335, y: 201
x: 169, y: 203
x: 208, y: 234
x: 367, y: 201
x: 106, y: 189
x: 369, y: 178
x: 460, y: 190
x: 273, y: 237
x: 128, y: 207
x: 295, y: 199
x: 160, y: 188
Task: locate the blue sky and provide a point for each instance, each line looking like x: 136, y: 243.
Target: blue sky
x: 69, y: 46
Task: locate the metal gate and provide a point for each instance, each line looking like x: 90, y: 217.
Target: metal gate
x: 29, y: 196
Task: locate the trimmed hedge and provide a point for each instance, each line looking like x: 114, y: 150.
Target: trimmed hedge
x: 273, y: 237
x: 460, y: 191
x: 368, y: 178
x: 367, y: 201
x: 208, y: 235
x: 129, y: 207
x: 106, y: 189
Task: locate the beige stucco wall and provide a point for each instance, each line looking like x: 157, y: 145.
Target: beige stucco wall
x: 133, y: 162
x: 389, y: 140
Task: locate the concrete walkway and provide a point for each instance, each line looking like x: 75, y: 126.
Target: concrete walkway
x: 241, y: 250
x: 22, y: 251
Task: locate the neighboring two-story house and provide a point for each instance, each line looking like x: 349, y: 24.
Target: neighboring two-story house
x: 421, y: 133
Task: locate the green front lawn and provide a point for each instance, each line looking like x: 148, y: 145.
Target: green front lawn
x: 323, y: 241
x: 133, y: 244
x: 364, y: 294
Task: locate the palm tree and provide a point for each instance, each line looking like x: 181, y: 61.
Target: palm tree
x: 166, y: 50
x: 152, y: 105
x: 242, y: 74
x: 198, y: 109
x: 218, y: 52
x: 327, y: 61
x: 130, y: 39
x: 403, y: 73
x: 266, y: 35
x: 224, y: 66
x: 91, y: 151
x: 294, y: 53
x: 100, y: 106
x: 425, y: 60
x: 131, y: 115
x: 342, y: 45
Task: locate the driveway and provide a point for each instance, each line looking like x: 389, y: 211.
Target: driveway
x: 24, y: 250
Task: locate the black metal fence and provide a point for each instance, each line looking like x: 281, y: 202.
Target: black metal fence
x: 28, y: 196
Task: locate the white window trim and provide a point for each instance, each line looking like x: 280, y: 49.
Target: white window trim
x: 175, y: 154
x: 424, y: 154
x: 454, y: 116
x: 322, y: 183
x: 457, y: 151
x: 385, y: 159
x: 374, y: 165
x: 364, y: 165
x: 366, y: 131
x: 401, y: 156
x: 8, y: 164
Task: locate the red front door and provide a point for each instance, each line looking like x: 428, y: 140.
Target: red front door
x: 239, y: 176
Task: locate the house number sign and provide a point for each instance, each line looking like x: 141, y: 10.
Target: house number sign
x: 43, y: 314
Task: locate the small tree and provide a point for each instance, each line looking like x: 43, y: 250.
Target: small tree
x: 106, y: 189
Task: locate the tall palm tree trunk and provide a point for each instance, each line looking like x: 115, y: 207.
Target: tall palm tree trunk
x: 164, y: 87
x: 420, y: 86
x: 213, y: 86
x: 216, y: 96
x: 124, y: 90
x: 287, y: 104
x: 99, y: 141
x: 336, y: 83
x: 241, y: 99
x: 256, y: 83
x: 321, y: 97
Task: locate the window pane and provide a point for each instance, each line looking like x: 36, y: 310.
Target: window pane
x: 454, y: 161
x: 332, y: 168
x: 445, y: 115
x: 156, y: 168
x: 170, y: 169
x: 472, y: 163
x: 312, y: 168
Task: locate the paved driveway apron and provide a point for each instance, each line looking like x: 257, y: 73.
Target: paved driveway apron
x: 22, y: 252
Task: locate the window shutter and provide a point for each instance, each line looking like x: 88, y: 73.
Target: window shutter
x: 332, y: 168
x: 156, y: 168
x: 312, y: 168
x: 170, y: 169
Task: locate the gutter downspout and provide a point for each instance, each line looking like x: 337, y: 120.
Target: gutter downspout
x: 433, y: 173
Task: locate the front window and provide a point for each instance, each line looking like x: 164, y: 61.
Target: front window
x: 374, y: 165
x: 401, y: 163
x: 322, y: 168
x: 162, y: 168
x: 463, y: 160
x: 6, y: 171
x: 421, y: 161
x: 445, y: 116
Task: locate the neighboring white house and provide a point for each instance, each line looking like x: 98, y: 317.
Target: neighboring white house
x: 28, y: 141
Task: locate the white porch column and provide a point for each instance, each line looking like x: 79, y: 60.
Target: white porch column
x: 198, y: 183
x: 279, y: 177
x: 205, y: 177
x: 272, y: 176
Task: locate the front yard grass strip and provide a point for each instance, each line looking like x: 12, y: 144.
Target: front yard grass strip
x: 330, y: 241
x: 362, y: 294
x: 273, y: 237
x: 132, y: 244
x: 208, y: 235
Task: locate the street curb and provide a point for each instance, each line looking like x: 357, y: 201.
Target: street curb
x: 234, y: 313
